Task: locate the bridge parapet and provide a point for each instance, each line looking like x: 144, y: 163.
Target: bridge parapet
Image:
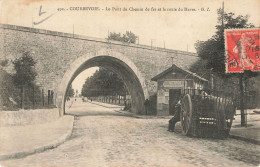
x: 82, y: 37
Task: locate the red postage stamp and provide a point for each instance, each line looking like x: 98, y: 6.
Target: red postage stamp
x: 242, y: 50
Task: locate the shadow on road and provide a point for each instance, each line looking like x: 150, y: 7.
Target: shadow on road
x: 95, y: 113
x: 82, y: 109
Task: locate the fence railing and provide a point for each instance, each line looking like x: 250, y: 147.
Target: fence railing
x: 118, y: 100
x: 33, y: 98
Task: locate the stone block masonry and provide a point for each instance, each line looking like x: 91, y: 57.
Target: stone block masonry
x: 56, y: 51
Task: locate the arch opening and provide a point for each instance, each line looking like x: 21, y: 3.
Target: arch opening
x: 115, y: 62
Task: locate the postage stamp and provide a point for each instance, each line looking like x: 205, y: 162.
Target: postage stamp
x: 242, y: 50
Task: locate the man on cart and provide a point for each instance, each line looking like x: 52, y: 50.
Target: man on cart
x: 176, y: 117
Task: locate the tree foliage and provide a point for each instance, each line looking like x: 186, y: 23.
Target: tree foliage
x: 213, y: 50
x: 7, y: 90
x: 102, y: 83
x: 4, y: 62
x: 25, y: 72
x: 70, y: 92
x: 129, y: 37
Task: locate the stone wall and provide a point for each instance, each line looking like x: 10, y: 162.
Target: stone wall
x: 55, y: 51
x: 28, y: 117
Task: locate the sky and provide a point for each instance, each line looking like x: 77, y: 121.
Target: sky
x: 177, y: 30
x: 81, y: 78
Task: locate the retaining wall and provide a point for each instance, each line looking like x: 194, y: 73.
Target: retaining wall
x: 28, y: 117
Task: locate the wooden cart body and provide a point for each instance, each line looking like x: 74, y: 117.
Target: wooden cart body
x: 204, y: 115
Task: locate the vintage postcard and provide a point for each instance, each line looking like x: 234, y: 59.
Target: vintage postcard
x: 94, y: 83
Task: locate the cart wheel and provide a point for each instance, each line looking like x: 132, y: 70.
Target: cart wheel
x: 186, y: 114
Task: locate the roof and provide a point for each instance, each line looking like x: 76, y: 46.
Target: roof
x: 173, y: 68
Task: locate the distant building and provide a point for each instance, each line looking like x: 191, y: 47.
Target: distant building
x: 170, y: 85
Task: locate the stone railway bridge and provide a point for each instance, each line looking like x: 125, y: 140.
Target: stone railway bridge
x: 61, y: 57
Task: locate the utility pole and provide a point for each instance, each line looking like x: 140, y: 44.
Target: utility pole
x: 73, y: 30
x: 211, y: 80
x: 242, y: 110
x: 222, y: 18
x: 108, y: 35
x: 152, y: 43
x: 32, y: 21
x: 172, y: 60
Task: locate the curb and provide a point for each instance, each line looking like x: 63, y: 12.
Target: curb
x: 135, y: 115
x: 55, y: 144
x: 106, y: 106
x: 253, y: 141
x: 153, y: 117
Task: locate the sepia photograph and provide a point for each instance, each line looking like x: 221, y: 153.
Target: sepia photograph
x: 128, y: 83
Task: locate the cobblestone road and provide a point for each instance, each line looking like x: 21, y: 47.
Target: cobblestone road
x: 109, y: 139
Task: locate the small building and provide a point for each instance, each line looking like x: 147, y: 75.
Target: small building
x: 171, y: 84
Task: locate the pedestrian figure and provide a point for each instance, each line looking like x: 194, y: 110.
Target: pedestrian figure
x: 176, y: 117
x: 147, y: 106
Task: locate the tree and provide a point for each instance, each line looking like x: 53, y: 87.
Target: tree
x: 70, y: 92
x: 129, y: 37
x: 8, y: 90
x: 212, y: 51
x: 103, y: 83
x: 25, y: 73
x: 4, y: 62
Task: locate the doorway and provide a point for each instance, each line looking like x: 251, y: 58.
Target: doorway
x: 174, y: 95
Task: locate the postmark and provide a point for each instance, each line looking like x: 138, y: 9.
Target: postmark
x: 242, y: 50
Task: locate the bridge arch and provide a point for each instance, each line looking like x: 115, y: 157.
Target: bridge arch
x: 113, y: 61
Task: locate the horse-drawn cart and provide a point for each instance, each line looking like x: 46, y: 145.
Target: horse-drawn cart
x: 204, y: 115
